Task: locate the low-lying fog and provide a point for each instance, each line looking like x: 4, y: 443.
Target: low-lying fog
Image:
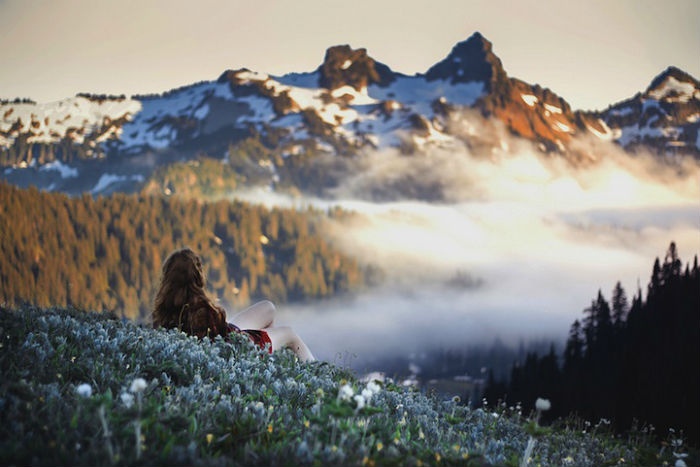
x: 517, y: 248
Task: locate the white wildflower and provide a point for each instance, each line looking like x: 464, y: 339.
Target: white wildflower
x: 374, y: 387
x: 346, y: 392
x: 138, y: 385
x: 367, y: 394
x: 127, y: 399
x: 360, y: 401
x: 84, y: 390
x: 542, y: 404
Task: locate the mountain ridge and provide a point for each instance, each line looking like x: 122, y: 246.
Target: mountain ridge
x: 349, y: 102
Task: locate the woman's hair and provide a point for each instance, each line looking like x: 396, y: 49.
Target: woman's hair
x: 181, y: 286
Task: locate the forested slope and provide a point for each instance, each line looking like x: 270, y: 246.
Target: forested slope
x: 106, y: 253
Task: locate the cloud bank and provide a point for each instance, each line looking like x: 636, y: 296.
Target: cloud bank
x: 517, y: 245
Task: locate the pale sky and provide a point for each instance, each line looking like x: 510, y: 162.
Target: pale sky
x: 591, y: 52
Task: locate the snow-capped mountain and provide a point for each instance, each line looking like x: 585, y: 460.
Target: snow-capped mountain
x: 101, y: 144
x: 665, y: 117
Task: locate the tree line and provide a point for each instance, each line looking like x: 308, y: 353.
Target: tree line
x: 106, y: 253
x: 629, y: 363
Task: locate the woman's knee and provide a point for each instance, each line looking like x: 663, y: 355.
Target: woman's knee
x: 268, y: 309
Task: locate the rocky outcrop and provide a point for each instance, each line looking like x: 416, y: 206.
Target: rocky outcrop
x: 470, y: 60
x: 344, y: 66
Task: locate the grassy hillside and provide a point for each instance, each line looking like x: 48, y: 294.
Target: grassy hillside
x: 88, y: 389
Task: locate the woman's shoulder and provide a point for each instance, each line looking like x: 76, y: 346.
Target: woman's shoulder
x: 206, y: 319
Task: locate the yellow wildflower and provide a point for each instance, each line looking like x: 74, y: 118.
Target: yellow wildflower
x: 269, y: 428
x: 379, y: 446
x: 437, y: 457
x: 419, y: 463
x: 209, y: 438
x: 306, y: 423
x: 465, y: 455
x: 365, y: 460
x: 456, y: 447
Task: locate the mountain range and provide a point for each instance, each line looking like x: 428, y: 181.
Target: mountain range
x: 269, y: 130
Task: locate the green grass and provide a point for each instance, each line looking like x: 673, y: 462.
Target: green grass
x: 214, y: 403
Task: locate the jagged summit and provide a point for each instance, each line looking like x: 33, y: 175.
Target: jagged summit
x: 470, y: 60
x: 673, y: 84
x: 345, y: 66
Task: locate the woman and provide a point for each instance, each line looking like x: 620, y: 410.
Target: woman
x: 182, y: 303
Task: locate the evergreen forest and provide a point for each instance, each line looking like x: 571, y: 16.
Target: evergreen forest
x: 625, y: 363
x: 105, y: 253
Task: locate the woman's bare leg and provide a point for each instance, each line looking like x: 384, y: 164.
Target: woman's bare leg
x: 285, y: 337
x: 258, y: 316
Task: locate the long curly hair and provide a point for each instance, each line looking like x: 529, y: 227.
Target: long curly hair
x: 181, y: 288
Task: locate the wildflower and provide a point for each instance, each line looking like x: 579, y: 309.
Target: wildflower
x: 365, y: 460
x: 334, y: 448
x: 84, y: 390
x: 138, y: 385
x: 402, y: 422
x: 360, y: 401
x: 419, y: 463
x: 397, y: 440
x: 346, y: 392
x: 456, y: 447
x: 306, y: 423
x: 437, y: 457
x: 373, y: 387
x: 542, y: 404
x: 465, y: 455
x: 210, y: 437
x: 320, y: 393
x: 367, y: 394
x: 127, y: 399
x: 456, y: 399
x: 421, y: 435
x: 269, y: 428
x: 380, y: 446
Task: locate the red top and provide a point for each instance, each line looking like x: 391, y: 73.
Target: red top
x: 209, y: 320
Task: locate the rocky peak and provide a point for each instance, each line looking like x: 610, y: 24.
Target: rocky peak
x: 673, y: 84
x: 344, y: 66
x: 470, y: 60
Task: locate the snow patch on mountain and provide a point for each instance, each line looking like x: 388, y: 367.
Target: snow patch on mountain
x: 153, y: 125
x: 529, y: 99
x: 51, y: 122
x: 552, y: 108
x: 679, y: 91
x: 417, y: 94
x: 64, y: 170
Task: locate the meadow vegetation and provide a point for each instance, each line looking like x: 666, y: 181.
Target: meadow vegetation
x: 86, y: 388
